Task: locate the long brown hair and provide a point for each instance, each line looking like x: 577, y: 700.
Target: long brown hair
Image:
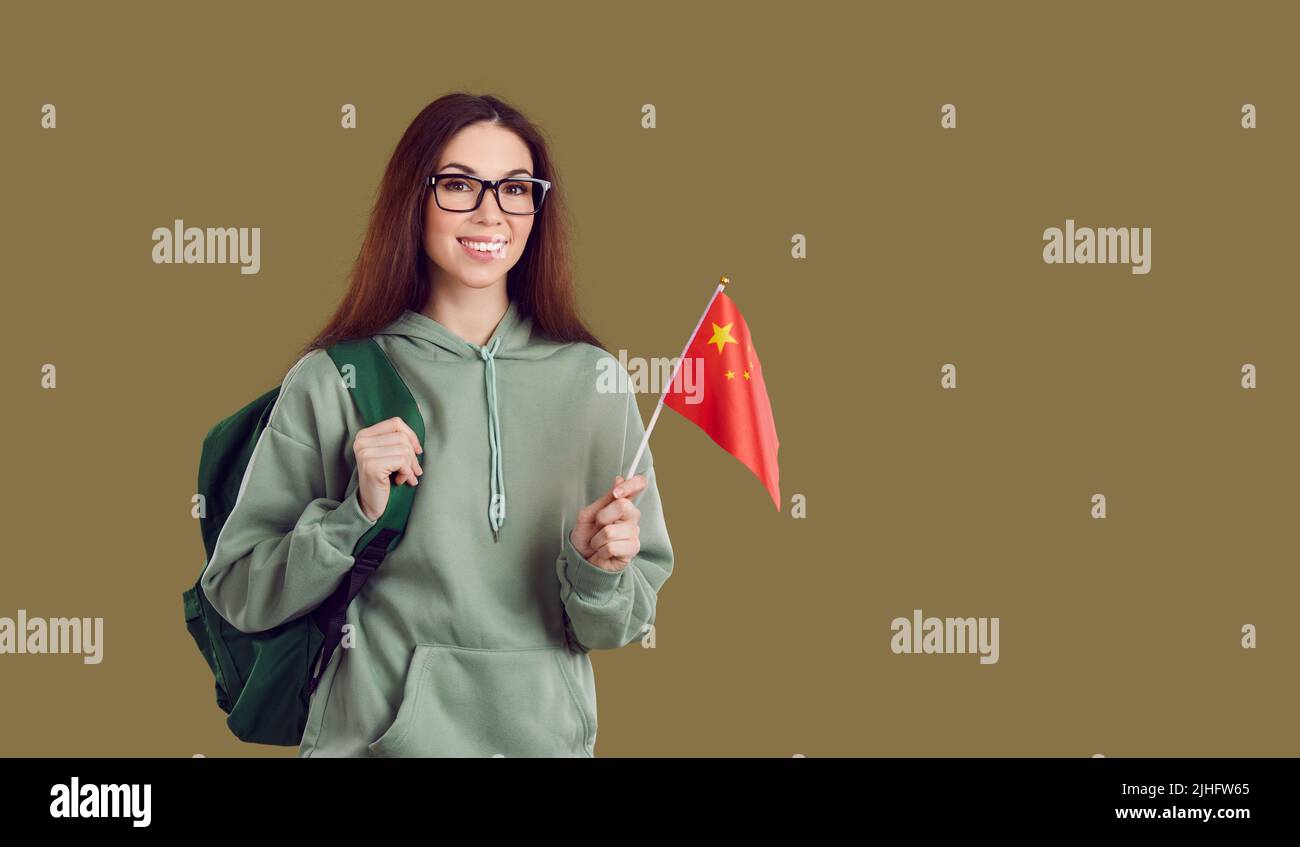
x: 391, y: 272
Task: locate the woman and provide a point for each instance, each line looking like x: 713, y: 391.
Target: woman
x: 520, y: 554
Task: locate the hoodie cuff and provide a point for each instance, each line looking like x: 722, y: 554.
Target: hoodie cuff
x: 343, y: 527
x: 592, y: 583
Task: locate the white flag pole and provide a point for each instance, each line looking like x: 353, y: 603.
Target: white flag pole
x: 645, y: 439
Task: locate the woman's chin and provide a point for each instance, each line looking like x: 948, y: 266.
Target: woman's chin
x: 479, y: 281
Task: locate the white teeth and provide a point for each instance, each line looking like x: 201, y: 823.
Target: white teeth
x: 484, y: 246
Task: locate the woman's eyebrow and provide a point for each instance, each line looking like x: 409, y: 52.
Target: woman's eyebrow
x: 470, y: 170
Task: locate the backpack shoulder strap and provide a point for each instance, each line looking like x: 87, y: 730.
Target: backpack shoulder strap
x: 380, y: 393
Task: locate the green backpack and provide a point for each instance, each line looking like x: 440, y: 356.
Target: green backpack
x: 264, y: 680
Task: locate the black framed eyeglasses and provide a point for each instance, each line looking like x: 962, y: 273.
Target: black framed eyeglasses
x: 516, y: 195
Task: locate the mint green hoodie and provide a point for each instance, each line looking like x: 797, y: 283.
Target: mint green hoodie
x: 471, y: 639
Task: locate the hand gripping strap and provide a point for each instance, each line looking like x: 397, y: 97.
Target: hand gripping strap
x: 380, y: 394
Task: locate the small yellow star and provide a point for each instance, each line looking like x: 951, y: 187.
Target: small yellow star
x: 722, y: 336
x: 731, y: 374
x: 746, y: 374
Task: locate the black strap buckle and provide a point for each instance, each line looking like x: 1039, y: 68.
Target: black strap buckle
x: 373, y: 553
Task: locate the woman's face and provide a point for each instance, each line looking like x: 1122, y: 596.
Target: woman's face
x: 490, y: 152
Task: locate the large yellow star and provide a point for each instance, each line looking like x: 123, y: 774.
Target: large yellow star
x: 722, y: 336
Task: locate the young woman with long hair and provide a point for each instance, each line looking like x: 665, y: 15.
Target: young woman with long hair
x: 525, y: 547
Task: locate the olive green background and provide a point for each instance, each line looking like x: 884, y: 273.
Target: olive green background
x: 1118, y: 636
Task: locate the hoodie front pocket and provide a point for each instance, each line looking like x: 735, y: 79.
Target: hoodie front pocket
x: 474, y: 701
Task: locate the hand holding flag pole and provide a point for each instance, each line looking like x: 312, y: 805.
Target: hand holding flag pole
x: 735, y: 410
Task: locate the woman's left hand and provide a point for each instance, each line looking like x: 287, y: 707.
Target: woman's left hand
x: 607, y: 531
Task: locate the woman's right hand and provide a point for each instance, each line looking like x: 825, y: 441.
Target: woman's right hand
x: 387, y: 447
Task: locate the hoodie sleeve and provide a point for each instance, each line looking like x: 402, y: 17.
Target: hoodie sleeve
x: 289, y: 538
x: 609, y: 609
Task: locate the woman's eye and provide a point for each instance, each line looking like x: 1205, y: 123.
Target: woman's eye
x: 455, y: 182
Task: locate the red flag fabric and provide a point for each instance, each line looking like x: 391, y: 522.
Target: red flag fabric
x: 734, y: 408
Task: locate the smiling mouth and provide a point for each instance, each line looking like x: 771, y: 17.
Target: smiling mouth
x: 486, y: 248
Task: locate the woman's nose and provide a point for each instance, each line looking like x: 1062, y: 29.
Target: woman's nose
x: 490, y: 209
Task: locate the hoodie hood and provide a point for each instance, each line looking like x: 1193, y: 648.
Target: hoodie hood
x: 515, y: 332
x: 513, y: 338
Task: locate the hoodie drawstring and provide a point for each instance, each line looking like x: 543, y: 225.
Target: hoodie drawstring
x: 497, y: 506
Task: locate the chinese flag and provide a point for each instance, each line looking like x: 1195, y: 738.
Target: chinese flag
x: 733, y: 409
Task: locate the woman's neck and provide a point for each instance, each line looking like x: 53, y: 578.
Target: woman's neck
x: 473, y: 314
